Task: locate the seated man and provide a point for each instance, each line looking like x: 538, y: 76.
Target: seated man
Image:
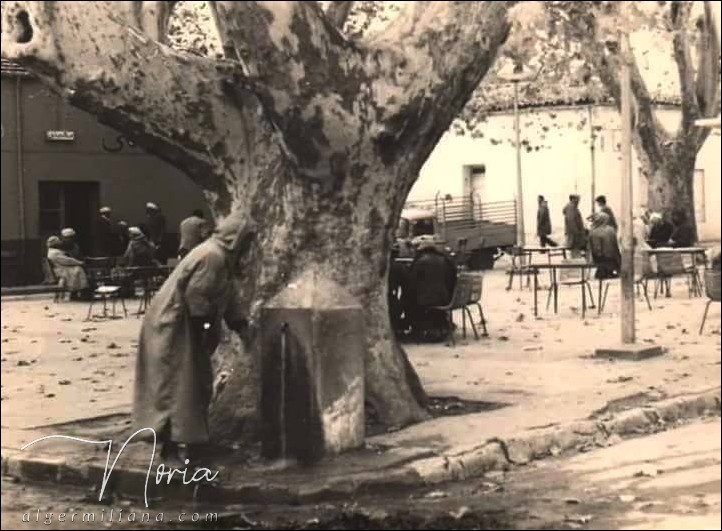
x: 432, y: 278
x: 140, y: 252
x: 604, y: 248
x: 68, y: 270
x: 682, y: 234
x: 660, y: 230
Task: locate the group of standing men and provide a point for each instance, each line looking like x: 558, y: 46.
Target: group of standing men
x: 600, y: 241
x: 143, y: 244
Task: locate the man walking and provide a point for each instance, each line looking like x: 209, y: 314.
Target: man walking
x: 544, y: 223
x: 574, y: 226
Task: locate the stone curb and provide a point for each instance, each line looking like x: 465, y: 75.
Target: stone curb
x: 498, y: 455
x: 456, y: 465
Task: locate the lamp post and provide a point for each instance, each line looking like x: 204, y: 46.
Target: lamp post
x: 516, y: 77
x: 625, y: 225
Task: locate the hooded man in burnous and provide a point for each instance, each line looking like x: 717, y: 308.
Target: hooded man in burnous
x: 180, y: 332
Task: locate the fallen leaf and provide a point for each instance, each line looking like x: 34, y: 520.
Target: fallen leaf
x: 64, y: 382
x: 503, y: 338
x: 458, y: 515
x: 578, y: 518
x: 648, y: 472
x: 572, y: 501
x: 22, y: 363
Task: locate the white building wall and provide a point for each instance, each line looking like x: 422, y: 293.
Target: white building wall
x: 556, y: 161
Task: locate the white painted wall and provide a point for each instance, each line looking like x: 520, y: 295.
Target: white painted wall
x: 557, y: 163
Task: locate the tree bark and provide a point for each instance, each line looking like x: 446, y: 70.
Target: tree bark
x: 317, y: 138
x: 671, y: 185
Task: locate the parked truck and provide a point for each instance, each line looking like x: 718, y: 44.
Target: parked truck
x: 473, y: 230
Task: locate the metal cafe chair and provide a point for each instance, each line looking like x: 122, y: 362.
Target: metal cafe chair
x: 712, y: 287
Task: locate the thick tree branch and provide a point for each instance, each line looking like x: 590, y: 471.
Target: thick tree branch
x: 679, y: 15
x: 304, y: 69
x: 289, y: 46
x: 427, y: 64
x: 338, y: 12
x: 707, y: 85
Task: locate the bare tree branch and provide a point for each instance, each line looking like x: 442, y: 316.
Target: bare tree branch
x: 338, y: 12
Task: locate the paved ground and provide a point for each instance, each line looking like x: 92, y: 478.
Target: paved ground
x: 669, y: 480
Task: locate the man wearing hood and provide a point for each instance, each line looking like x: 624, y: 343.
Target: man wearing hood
x: 180, y: 332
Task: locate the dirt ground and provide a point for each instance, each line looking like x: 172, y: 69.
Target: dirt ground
x: 57, y: 367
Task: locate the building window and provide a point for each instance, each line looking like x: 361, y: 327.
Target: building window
x: 700, y: 211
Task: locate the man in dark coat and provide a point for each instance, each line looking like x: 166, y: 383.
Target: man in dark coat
x: 604, y: 248
x: 431, y: 280
x: 574, y: 226
x: 605, y: 209
x: 107, y: 240
x: 180, y: 332
x: 682, y: 235
x: 660, y: 230
x: 544, y: 223
x: 155, y: 225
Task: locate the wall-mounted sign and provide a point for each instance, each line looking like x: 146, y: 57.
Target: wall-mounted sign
x: 60, y: 136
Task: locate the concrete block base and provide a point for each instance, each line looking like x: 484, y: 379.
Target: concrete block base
x: 632, y: 352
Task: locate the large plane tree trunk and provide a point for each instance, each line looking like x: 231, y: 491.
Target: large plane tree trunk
x: 318, y: 138
x: 671, y: 184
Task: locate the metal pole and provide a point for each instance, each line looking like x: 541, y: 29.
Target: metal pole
x: 519, y: 186
x: 592, y: 147
x: 625, y: 225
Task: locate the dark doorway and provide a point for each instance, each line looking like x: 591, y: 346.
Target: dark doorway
x: 69, y: 204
